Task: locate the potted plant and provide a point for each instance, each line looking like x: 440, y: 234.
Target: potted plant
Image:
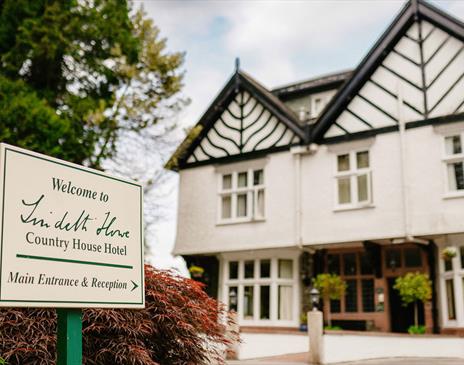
x: 331, y: 287
x: 196, y: 272
x: 448, y: 253
x: 414, y: 287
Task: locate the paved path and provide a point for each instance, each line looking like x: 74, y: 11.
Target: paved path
x: 300, y: 359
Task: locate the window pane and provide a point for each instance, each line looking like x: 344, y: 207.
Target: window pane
x: 362, y: 159
x: 258, y: 177
x: 260, y: 203
x: 335, y: 306
x: 462, y: 259
x: 448, y: 265
x: 233, y: 269
x: 248, y: 302
x: 226, y: 182
x: 363, y: 194
x: 242, y: 179
x: 249, y: 269
x: 367, y: 265
x: 343, y: 162
x: 344, y: 190
x: 226, y: 209
x: 455, y: 176
x: 450, y: 299
x: 333, y: 264
x: 393, y: 258
x: 453, y: 145
x: 351, y: 296
x: 285, y: 302
x: 265, y: 269
x: 265, y: 302
x: 368, y: 295
x: 233, y: 293
x: 286, y: 269
x: 349, y: 262
x: 412, y: 257
x: 241, y: 205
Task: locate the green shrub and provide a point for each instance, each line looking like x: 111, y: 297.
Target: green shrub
x: 416, y: 330
x: 333, y: 328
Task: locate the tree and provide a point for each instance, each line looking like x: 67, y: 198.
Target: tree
x: 331, y: 287
x: 101, y: 70
x: 414, y: 287
x: 178, y: 326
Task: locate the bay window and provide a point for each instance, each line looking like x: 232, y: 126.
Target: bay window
x: 452, y: 286
x: 241, y: 196
x: 454, y: 163
x: 353, y: 179
x: 262, y: 291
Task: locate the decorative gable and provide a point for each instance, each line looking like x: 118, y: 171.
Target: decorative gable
x: 244, y: 126
x: 421, y: 78
x: 243, y: 121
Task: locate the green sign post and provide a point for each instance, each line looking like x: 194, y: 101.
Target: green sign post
x: 69, y: 343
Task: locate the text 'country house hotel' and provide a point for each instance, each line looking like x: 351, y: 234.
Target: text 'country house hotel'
x: 356, y: 173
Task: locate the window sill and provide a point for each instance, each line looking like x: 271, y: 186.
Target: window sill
x: 353, y: 207
x: 240, y: 221
x: 454, y: 195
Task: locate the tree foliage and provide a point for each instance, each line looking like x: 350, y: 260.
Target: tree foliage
x: 414, y: 287
x: 98, y: 67
x: 178, y: 326
x: 331, y: 287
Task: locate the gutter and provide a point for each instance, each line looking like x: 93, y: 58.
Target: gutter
x: 297, y: 153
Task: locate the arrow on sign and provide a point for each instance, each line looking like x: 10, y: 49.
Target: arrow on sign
x: 135, y: 285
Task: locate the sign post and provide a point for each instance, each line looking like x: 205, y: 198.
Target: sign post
x: 70, y: 238
x: 69, y: 342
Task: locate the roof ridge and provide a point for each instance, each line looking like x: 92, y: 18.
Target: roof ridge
x: 312, y: 79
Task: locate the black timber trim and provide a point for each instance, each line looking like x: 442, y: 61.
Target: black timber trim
x: 431, y: 251
x: 393, y: 128
x: 241, y: 157
x: 414, y: 10
x: 240, y: 81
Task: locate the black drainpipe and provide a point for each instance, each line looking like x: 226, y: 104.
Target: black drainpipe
x: 432, y: 261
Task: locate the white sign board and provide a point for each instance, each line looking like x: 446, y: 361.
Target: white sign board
x: 70, y: 236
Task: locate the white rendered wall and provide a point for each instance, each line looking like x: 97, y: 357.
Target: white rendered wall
x: 324, y: 223
x: 257, y: 345
x: 198, y: 230
x: 340, y: 348
x: 431, y: 212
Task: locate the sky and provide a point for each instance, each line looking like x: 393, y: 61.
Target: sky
x: 277, y: 42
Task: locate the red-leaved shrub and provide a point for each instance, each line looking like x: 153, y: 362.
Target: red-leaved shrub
x: 179, y: 325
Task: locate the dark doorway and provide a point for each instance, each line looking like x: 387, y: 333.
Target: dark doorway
x: 401, y: 317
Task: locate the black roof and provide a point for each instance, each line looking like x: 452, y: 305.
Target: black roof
x: 324, y: 82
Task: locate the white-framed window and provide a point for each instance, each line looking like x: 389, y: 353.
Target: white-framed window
x: 454, y: 163
x: 353, y: 177
x: 317, y: 104
x: 452, y: 288
x: 262, y: 291
x: 242, y: 196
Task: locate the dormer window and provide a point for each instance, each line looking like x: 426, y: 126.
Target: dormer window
x: 317, y: 105
x: 241, y: 196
